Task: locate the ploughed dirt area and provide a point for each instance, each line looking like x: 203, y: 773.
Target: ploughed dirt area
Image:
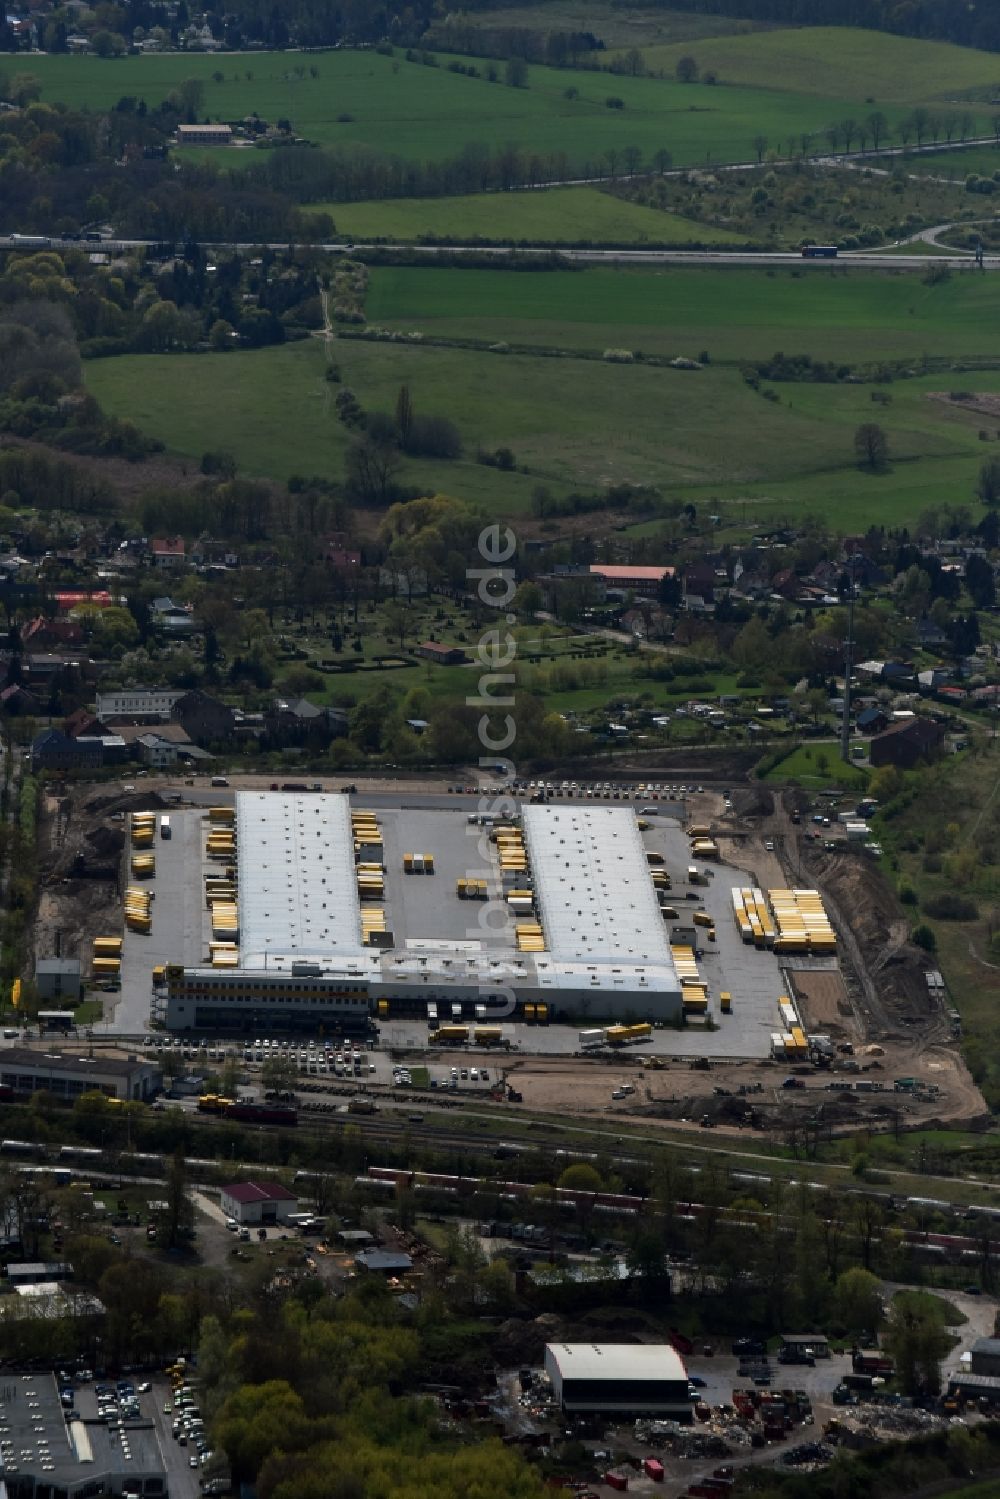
x: 823, y: 1003
x: 738, y: 1096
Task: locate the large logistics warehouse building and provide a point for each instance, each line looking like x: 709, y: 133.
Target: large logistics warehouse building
x: 619, y: 1379
x: 313, y: 951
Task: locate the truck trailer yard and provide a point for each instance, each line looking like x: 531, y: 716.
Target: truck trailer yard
x: 427, y: 920
x: 432, y: 928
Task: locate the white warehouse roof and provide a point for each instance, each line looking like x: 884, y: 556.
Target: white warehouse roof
x: 625, y: 1361
x: 593, y: 885
x: 298, y: 892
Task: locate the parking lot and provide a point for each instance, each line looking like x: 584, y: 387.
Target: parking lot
x: 131, y: 1408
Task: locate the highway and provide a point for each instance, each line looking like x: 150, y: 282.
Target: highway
x: 865, y: 260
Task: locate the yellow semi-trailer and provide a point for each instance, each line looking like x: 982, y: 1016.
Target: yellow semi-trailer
x: 726, y: 1002
x: 627, y: 1035
x: 487, y: 1035
x: 107, y: 947
x: 450, y: 1034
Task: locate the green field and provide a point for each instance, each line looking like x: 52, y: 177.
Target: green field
x: 881, y: 68
x: 559, y: 215
x: 572, y: 423
x: 620, y: 26
x: 422, y: 113
x: 733, y: 314
x: 818, y: 766
x: 956, y: 165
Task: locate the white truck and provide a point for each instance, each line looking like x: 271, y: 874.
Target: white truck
x: 590, y: 1039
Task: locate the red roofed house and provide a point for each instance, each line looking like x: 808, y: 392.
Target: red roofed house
x: 444, y: 655
x: 41, y: 634
x: 645, y: 580
x: 258, y: 1202
x: 168, y: 551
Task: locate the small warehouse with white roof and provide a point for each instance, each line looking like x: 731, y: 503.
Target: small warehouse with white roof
x: 621, y: 1379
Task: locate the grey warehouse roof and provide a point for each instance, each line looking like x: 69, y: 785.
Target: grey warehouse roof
x: 593, y: 885
x: 298, y: 888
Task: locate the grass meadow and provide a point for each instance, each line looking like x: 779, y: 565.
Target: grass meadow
x: 423, y: 113
x: 957, y: 164
x: 734, y: 314
x: 578, y: 423
x: 561, y: 215
x: 819, y: 60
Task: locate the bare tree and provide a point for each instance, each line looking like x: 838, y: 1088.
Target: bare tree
x: 878, y: 126
x: 633, y: 156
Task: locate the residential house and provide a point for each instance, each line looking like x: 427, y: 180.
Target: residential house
x: 339, y: 556
x: 204, y: 718
x: 173, y: 619
x: 82, y: 721
x: 871, y: 721
x: 18, y: 702
x: 933, y: 678
x: 41, y: 634
x: 908, y: 743
x: 161, y: 752
x: 930, y: 637
x: 443, y: 655
x: 298, y: 722
x: 150, y: 703
x: 169, y: 551
x: 699, y: 583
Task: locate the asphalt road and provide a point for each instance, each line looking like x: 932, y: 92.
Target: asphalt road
x: 855, y: 260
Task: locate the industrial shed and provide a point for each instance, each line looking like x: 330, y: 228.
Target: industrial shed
x: 621, y: 1379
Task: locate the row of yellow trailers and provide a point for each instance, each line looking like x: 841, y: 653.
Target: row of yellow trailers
x: 752, y: 916
x: 138, y: 910
x: 142, y: 827
x: 373, y: 925
x: 703, y: 845
x: 460, y: 1035
x: 369, y: 865
x: 790, y: 1042
x: 220, y: 889
x: 694, y: 990
x: 802, y: 923
x: 367, y: 837
x: 106, y: 961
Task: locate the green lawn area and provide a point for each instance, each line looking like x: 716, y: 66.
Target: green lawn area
x: 561, y: 215
x: 818, y: 765
x: 423, y: 113
x: 735, y: 314
x: 620, y: 26
x: 938, y: 1306
x: 887, y: 69
x: 957, y: 164
x: 571, y: 423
